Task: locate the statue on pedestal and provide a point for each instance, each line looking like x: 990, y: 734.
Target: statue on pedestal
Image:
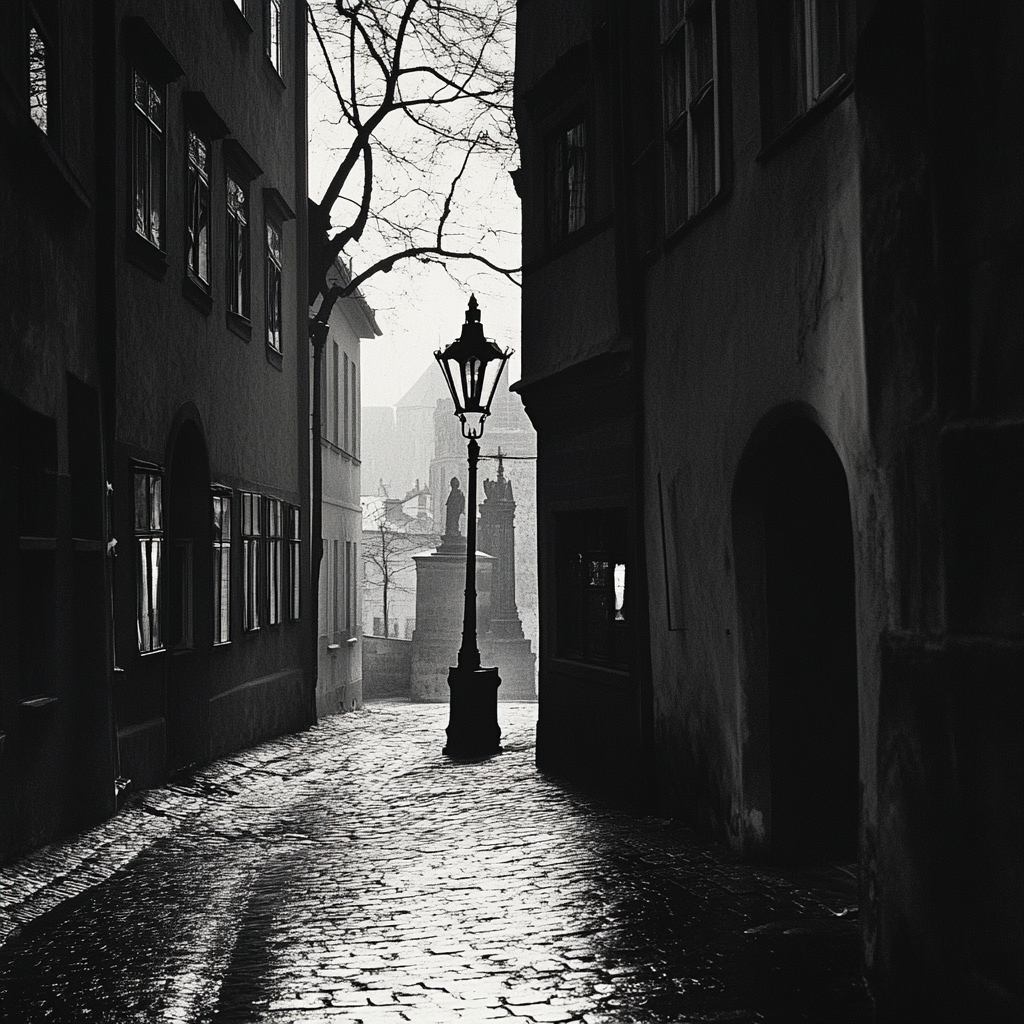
x: 454, y: 507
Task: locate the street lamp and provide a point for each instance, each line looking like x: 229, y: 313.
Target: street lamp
x: 472, y: 367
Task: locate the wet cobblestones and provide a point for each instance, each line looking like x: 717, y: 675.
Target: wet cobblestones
x: 351, y: 873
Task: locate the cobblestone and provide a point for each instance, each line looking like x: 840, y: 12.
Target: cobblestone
x: 351, y: 873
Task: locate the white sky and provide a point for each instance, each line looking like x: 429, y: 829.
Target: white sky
x: 420, y: 307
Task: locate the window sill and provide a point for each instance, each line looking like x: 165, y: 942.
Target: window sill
x: 197, y: 293
x: 673, y: 237
x: 570, y: 242
x: 219, y: 644
x: 275, y: 358
x: 800, y: 124
x: 238, y: 18
x: 274, y: 73
x: 146, y: 256
x: 240, y: 325
x: 592, y: 672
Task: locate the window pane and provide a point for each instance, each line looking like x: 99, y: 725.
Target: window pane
x: 156, y: 503
x: 156, y: 199
x: 673, y: 60
x: 141, y: 502
x: 38, y: 100
x: 576, y: 176
x: 554, y: 192
x: 676, y: 176
x: 703, y: 128
x: 829, y: 43
x: 702, y: 49
x: 141, y: 173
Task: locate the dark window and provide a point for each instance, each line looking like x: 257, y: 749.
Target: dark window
x: 591, y: 587
x: 251, y: 574
x: 221, y: 567
x: 148, y: 168
x: 334, y: 392
x: 294, y: 560
x: 273, y: 33
x: 567, y: 185
x: 802, y: 58
x: 238, y: 247
x: 149, y: 540
x: 198, y: 228
x: 691, y: 75
x: 275, y: 561
x: 274, y: 264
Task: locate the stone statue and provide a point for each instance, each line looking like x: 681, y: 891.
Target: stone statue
x: 454, y: 507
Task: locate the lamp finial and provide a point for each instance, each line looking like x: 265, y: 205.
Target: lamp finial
x: 473, y: 312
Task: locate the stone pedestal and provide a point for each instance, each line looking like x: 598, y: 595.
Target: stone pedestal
x: 440, y: 602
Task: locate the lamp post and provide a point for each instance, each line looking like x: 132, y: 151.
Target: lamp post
x: 472, y: 366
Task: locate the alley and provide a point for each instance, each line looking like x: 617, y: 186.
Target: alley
x: 351, y: 873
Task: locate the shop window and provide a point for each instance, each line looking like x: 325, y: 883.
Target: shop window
x: 802, y: 59
x: 149, y: 545
x: 591, y: 587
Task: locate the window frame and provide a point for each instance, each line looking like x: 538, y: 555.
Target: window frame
x: 794, y: 79
x: 251, y: 533
x: 203, y: 178
x: 149, y: 536
x: 273, y: 42
x: 143, y: 121
x: 560, y: 206
x: 294, y: 541
x: 274, y: 288
x: 222, y: 567
x: 692, y: 182
x: 273, y: 547
x: 238, y: 245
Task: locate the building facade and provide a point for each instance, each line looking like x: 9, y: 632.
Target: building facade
x: 339, y: 646
x: 57, y: 750
x: 767, y: 317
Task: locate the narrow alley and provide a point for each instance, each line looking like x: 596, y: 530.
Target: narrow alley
x: 352, y: 873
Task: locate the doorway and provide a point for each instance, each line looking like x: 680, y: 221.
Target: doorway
x: 795, y: 578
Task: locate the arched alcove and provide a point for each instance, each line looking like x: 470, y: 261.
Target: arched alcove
x: 795, y: 584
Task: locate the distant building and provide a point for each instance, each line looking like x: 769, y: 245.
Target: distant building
x: 339, y: 675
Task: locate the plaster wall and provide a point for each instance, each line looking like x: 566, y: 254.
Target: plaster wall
x: 755, y: 308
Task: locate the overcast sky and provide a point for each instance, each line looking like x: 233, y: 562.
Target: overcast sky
x: 420, y: 307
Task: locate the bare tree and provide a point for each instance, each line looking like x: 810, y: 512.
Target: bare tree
x: 421, y: 87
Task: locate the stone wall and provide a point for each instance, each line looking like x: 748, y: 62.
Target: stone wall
x: 387, y: 667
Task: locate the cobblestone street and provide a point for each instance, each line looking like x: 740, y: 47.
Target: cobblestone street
x: 351, y: 873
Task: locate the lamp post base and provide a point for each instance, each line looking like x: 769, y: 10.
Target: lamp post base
x: 473, y: 729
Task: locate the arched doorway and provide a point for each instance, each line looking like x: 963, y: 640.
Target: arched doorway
x: 795, y: 580
x: 189, y: 594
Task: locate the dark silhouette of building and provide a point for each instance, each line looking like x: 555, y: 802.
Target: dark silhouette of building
x: 155, y: 396
x: 771, y: 346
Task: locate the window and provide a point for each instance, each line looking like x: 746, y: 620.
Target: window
x: 566, y: 192
x: 802, y: 59
x: 591, y: 587
x: 344, y: 441
x: 693, y: 101
x: 273, y: 33
x: 334, y: 393
x: 410, y: 628
x: 336, y: 592
x: 251, y: 574
x: 197, y: 241
x: 41, y: 73
x: 149, y: 539
x: 221, y: 567
x: 294, y: 556
x: 275, y: 561
x: 274, y: 287
x: 148, y: 170
x: 354, y: 407
x: 350, y: 588
x: 238, y: 247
